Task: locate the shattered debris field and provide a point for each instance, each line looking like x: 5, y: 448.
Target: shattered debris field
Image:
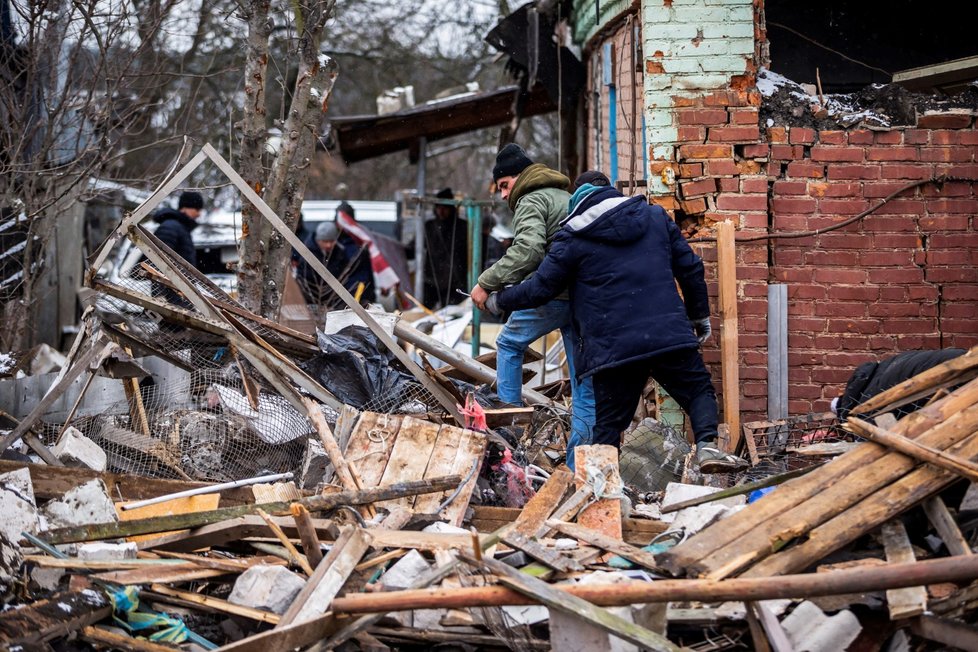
x: 255, y: 487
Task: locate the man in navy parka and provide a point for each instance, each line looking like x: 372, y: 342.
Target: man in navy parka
x: 620, y: 258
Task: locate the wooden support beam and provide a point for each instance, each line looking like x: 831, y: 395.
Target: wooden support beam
x: 802, y: 586
x: 956, y: 634
x: 729, y: 348
x: 914, y: 449
x: 595, y: 538
x: 911, y: 600
x: 946, y: 526
x: 197, y: 519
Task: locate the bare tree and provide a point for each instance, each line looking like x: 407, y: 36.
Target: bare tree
x: 282, y: 180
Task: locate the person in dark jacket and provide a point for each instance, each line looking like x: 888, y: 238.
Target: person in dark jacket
x: 446, y: 254
x: 621, y: 258
x: 358, y: 255
x: 324, y: 244
x: 176, y: 225
x: 872, y: 378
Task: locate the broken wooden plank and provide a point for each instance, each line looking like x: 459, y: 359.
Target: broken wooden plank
x: 186, y: 505
x: 332, y: 448
x: 115, y: 641
x: 595, y: 538
x: 442, y: 462
x: 542, y: 554
x: 409, y: 456
x: 774, y: 634
x: 370, y: 445
x: 946, y: 526
x: 539, y: 508
x: 916, y: 450
x: 329, y: 578
x: 566, y: 603
x: 912, y: 600
x: 183, y: 521
x: 294, y: 554
x: 215, y: 604
x: 948, y: 632
x: 729, y: 363
x: 307, y: 534
x: 158, y: 575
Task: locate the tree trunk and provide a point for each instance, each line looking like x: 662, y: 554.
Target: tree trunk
x: 264, y: 260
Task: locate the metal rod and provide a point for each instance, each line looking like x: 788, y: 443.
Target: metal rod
x: 209, y: 489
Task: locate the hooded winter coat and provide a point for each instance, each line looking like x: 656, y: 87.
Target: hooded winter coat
x: 620, y: 258
x: 539, y: 202
x: 174, y: 231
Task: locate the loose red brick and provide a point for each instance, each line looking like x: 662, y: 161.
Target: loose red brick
x: 754, y: 220
x: 691, y: 134
x: 777, y: 134
x: 790, y: 188
x: 749, y: 168
x: 694, y: 206
x: 806, y: 170
x: 690, y: 170
x: 699, y: 187
x: 797, y: 205
x: 756, y: 151
x: 888, y: 137
x: 729, y: 184
x: 944, y: 121
x: 733, y: 202
x: 861, y: 137
x: 709, y: 117
x: 739, y: 134
x: 743, y: 116
x: 721, y: 167
x: 916, y: 136
x: 748, y: 185
x: 787, y: 152
x: 891, y: 153
x: 944, y: 137
x: 705, y: 151
x: 832, y: 137
x: 801, y: 136
x: 850, y: 154
x: 852, y: 171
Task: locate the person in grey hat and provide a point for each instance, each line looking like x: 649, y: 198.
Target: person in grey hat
x: 323, y: 244
x: 538, y: 197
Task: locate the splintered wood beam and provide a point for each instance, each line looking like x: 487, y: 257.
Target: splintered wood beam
x: 729, y: 355
x: 801, y: 586
x: 595, y: 538
x: 32, y: 625
x: 307, y: 534
x: 566, y: 603
x: 95, y: 532
x: 914, y: 449
x: 911, y: 600
x: 958, y: 635
x: 946, y: 526
x: 114, y: 641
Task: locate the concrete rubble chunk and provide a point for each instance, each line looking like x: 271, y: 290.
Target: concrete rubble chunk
x: 406, y: 571
x: 693, y: 519
x: 315, y: 463
x: 107, y: 551
x: 17, y: 505
x: 272, y: 588
x: 810, y: 630
x: 571, y: 633
x: 75, y: 449
x: 85, y: 504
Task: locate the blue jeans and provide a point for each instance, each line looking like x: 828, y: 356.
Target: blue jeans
x: 522, y: 329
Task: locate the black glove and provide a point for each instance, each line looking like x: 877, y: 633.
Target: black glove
x: 492, y: 304
x: 702, y: 328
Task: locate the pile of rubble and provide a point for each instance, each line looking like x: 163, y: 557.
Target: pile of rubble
x: 416, y: 512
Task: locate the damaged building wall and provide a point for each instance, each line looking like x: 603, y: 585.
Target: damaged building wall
x: 901, y: 278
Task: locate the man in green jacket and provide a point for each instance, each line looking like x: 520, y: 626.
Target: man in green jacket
x: 538, y: 197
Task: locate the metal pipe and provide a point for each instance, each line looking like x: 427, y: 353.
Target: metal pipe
x: 209, y: 489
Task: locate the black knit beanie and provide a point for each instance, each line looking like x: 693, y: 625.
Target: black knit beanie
x: 510, y: 161
x: 191, y: 199
x: 594, y: 177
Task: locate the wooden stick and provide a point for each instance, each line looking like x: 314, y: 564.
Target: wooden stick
x: 946, y: 526
x: 307, y: 534
x: 116, y: 641
x: 918, y: 451
x: 296, y: 556
x: 911, y: 600
x: 739, y: 490
x: 806, y: 585
x: 730, y: 367
x: 595, y: 538
x: 216, y: 604
x: 196, y: 519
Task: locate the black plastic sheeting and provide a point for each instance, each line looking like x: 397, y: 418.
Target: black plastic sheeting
x: 358, y: 369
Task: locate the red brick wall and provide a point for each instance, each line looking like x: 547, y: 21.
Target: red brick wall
x: 905, y: 277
